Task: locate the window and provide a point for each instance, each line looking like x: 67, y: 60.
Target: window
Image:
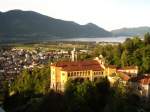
x: 74, y: 73
x: 86, y: 73
x: 69, y: 74
x: 80, y: 73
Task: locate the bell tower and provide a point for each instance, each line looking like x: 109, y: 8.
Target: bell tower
x: 74, y: 55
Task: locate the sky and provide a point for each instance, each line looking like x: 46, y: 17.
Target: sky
x: 108, y: 14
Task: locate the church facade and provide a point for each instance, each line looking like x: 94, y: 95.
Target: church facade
x: 63, y: 71
x: 92, y: 70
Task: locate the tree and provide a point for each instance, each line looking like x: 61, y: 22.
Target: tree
x: 124, y: 61
x: 146, y: 59
x: 129, y: 45
x: 117, y: 55
x: 147, y: 38
x: 97, y: 50
x: 37, y: 80
x: 137, y: 42
x: 84, y: 56
x: 146, y: 64
x: 138, y: 54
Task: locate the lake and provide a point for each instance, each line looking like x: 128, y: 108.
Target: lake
x: 47, y: 39
x: 97, y: 39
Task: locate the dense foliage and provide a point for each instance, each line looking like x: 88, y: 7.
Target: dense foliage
x: 31, y: 89
x: 133, y: 52
x: 79, y: 96
x: 36, y: 80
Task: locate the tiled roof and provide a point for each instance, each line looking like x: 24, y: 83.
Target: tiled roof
x: 124, y: 76
x: 141, y: 79
x: 79, y: 65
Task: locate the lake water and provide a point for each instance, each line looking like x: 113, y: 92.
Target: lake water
x: 47, y: 39
x: 97, y: 39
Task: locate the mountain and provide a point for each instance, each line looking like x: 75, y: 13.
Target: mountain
x: 131, y: 31
x: 18, y: 24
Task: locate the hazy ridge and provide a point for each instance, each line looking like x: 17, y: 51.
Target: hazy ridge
x: 28, y: 24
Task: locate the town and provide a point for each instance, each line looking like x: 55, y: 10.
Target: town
x: 94, y: 69
x: 74, y: 56
x: 14, y: 60
x: 81, y: 61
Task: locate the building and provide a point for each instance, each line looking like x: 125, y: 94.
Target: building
x: 114, y: 75
x: 131, y: 70
x: 122, y: 75
x: 141, y: 85
x: 110, y: 70
x: 74, y: 55
x: 64, y: 70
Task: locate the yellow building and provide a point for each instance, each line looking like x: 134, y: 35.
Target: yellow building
x: 64, y: 70
x: 131, y: 70
x: 122, y: 75
x: 88, y: 70
x: 110, y: 70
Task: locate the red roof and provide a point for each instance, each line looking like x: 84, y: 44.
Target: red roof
x: 124, y: 76
x: 141, y: 79
x: 79, y: 65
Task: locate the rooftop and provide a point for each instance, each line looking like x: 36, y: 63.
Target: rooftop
x: 124, y: 76
x: 141, y: 79
x: 79, y: 65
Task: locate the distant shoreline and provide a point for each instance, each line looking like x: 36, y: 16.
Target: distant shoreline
x: 46, y: 40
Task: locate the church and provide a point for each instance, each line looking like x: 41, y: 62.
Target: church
x: 64, y: 70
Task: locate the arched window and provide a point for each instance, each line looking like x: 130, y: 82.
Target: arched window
x: 80, y: 73
x: 69, y: 74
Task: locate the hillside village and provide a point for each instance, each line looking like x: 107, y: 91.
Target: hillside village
x: 65, y: 64
x: 93, y: 70
x: 31, y: 70
x: 74, y: 56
